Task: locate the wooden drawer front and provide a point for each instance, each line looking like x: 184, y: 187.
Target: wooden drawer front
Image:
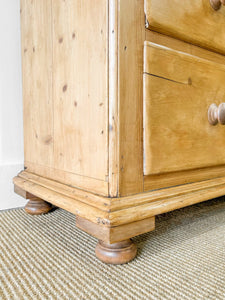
x: 194, y: 21
x: 178, y: 90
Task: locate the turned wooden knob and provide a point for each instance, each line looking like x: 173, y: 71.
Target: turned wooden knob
x: 216, y: 4
x: 216, y: 114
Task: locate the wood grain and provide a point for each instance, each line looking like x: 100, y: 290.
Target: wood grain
x: 140, y: 212
x: 37, y: 206
x: 65, y: 90
x: 116, y: 234
x: 192, y: 21
x: 170, y: 42
x: 152, y: 182
x: 166, y: 193
x: 23, y: 193
x: 178, y: 90
x: 80, y: 87
x: 72, y: 205
x: 83, y: 182
x: 69, y: 191
x: 122, y: 210
x: 113, y: 100
x: 83, y: 112
x: 117, y: 253
x: 130, y: 95
x: 36, y: 22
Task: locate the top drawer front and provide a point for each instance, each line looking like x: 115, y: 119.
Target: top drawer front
x: 193, y: 21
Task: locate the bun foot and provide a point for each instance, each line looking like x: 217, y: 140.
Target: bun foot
x: 37, y: 206
x: 117, y: 254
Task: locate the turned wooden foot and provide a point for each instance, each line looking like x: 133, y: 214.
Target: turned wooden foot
x: 37, y: 206
x: 118, y: 253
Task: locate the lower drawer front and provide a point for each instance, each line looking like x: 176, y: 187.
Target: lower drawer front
x: 178, y: 90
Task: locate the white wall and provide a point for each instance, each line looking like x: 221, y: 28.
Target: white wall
x: 11, y: 124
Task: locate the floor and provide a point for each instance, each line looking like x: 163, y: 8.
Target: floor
x: 47, y: 257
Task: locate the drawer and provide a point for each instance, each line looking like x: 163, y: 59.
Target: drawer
x: 178, y: 91
x: 194, y: 21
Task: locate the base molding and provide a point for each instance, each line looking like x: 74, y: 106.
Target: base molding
x: 116, y: 234
x: 114, y: 212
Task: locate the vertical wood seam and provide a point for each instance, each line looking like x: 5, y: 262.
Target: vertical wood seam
x: 113, y: 99
x: 52, y: 74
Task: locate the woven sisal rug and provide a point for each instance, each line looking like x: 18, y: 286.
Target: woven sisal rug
x: 47, y: 257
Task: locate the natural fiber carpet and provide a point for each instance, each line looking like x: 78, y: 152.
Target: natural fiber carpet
x: 47, y: 257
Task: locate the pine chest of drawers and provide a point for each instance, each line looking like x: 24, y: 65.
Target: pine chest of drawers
x: 123, y: 112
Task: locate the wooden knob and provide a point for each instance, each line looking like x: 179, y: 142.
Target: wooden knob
x: 216, y: 114
x: 216, y: 4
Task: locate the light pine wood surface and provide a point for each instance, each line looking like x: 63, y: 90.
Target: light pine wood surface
x: 65, y: 89
x: 122, y: 210
x: 179, y: 89
x: 130, y: 96
x: 36, y: 43
x: 116, y: 234
x: 182, y: 177
x: 80, y: 87
x: 193, y: 21
x: 170, y: 42
x: 116, y: 126
x: 158, y: 181
x: 113, y: 100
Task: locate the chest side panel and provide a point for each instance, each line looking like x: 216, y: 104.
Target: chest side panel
x: 65, y: 88
x: 80, y: 87
x: 36, y: 20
